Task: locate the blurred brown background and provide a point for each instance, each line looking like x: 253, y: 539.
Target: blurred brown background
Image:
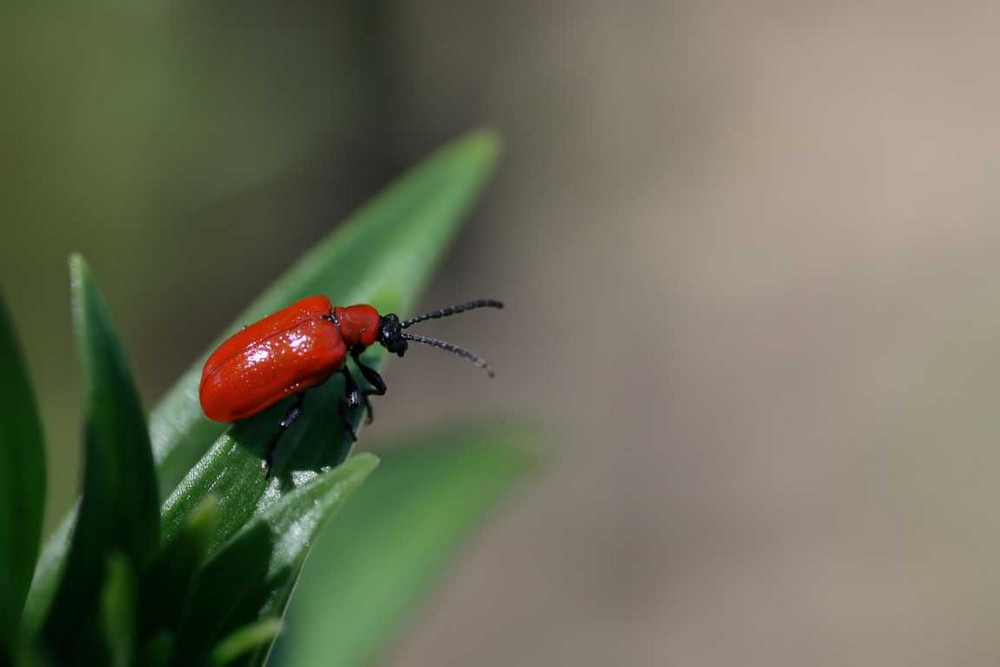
x: 750, y: 249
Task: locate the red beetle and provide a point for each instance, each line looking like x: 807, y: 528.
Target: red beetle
x: 302, y: 346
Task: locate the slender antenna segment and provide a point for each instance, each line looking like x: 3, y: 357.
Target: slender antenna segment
x: 434, y: 342
x: 453, y: 310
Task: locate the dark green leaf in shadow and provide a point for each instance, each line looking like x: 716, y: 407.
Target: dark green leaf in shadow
x: 383, y: 255
x: 228, y: 589
x: 252, y: 575
x: 384, y: 549
x: 157, y: 651
x: 22, y: 486
x: 168, y: 583
x: 118, y: 611
x: 119, y: 510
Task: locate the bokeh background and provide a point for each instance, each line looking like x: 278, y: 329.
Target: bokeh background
x: 752, y: 257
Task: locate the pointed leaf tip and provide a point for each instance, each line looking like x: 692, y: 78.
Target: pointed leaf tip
x: 119, y: 510
x: 77, y: 264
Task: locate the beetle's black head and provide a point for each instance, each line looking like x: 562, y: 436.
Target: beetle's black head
x: 392, y: 337
x: 390, y: 334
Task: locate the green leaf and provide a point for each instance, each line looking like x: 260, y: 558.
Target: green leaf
x: 119, y: 510
x: 157, y: 651
x: 253, y: 574
x: 22, y: 486
x: 118, y: 611
x: 244, y: 640
x: 386, y: 547
x: 178, y: 563
x: 228, y: 592
x: 383, y: 255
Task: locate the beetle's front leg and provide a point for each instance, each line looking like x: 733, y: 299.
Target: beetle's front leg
x: 378, y: 387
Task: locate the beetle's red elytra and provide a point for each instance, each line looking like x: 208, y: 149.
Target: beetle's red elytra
x: 303, y: 345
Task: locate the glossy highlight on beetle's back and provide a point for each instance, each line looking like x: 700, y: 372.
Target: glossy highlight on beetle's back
x: 293, y: 349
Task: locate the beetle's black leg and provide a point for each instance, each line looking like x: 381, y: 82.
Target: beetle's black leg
x: 378, y: 387
x: 291, y: 415
x: 353, y: 398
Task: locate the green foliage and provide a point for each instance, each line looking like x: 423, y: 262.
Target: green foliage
x: 254, y: 572
x: 181, y: 551
x: 179, y: 562
x: 22, y: 487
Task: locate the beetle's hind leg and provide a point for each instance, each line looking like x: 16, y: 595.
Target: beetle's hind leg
x: 291, y: 415
x: 378, y: 387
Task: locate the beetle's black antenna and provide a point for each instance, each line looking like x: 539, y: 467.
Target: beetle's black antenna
x: 434, y: 342
x: 453, y: 310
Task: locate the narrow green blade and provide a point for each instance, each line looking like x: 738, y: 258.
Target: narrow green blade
x: 22, y: 486
x: 245, y: 640
x: 119, y: 510
x: 118, y: 612
x: 372, y: 564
